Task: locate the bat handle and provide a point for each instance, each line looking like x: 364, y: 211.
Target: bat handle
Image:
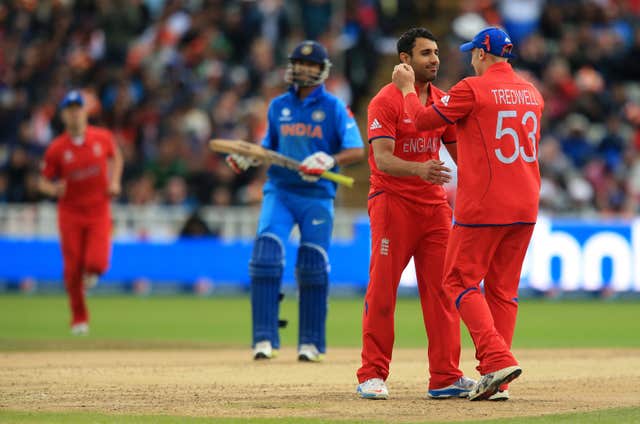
x: 338, y: 178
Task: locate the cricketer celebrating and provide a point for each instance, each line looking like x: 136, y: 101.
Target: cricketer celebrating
x: 311, y: 125
x: 82, y: 168
x: 498, y: 115
x: 410, y: 217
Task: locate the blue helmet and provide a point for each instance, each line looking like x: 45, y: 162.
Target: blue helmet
x: 310, y: 51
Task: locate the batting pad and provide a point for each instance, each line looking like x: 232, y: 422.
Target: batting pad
x: 265, y: 270
x: 312, y: 273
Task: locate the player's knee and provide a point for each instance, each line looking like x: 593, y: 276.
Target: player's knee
x: 267, y: 258
x: 312, y: 266
x: 96, y: 266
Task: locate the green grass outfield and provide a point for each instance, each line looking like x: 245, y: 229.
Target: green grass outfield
x: 41, y: 322
x: 621, y: 415
x: 126, y: 322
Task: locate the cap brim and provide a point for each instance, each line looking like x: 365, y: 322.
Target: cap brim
x: 467, y: 47
x: 73, y: 103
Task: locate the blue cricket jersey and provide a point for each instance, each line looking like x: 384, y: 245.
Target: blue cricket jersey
x: 299, y: 128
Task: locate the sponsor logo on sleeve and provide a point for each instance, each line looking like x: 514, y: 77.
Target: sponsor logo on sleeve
x: 375, y: 125
x: 445, y: 100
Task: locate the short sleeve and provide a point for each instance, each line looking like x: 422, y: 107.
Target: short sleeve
x: 347, y: 127
x: 50, y: 167
x: 382, y: 118
x: 270, y: 140
x: 110, y: 144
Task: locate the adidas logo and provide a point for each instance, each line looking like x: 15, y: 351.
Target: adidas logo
x: 445, y: 100
x: 375, y: 125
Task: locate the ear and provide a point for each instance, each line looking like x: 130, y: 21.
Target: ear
x: 405, y: 58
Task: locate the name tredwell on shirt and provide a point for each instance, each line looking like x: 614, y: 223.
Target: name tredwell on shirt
x: 510, y: 96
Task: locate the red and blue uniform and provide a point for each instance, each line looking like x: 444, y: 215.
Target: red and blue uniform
x: 409, y: 218
x: 498, y: 117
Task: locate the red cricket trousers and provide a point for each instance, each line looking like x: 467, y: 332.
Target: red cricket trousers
x: 86, y: 247
x: 401, y: 229
x: 494, y: 254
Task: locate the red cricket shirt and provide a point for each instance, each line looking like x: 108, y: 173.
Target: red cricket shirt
x: 498, y: 119
x: 387, y: 118
x: 84, y: 169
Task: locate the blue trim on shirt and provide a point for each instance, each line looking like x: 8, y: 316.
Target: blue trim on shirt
x: 381, y: 136
x: 377, y: 193
x: 459, y: 298
x: 440, y: 113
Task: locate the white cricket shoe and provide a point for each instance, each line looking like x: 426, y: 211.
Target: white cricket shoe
x: 309, y: 353
x: 500, y: 395
x: 263, y: 350
x: 374, y: 388
x: 489, y: 384
x: 80, y: 329
x: 459, y: 389
x: 90, y: 280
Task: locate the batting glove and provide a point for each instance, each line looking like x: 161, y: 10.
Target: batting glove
x: 313, y: 166
x: 240, y: 163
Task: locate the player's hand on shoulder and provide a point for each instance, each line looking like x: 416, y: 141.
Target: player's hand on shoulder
x: 314, y: 165
x: 240, y: 163
x: 434, y: 172
x: 403, y: 77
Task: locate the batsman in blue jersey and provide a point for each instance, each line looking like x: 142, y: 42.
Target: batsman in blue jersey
x: 313, y: 126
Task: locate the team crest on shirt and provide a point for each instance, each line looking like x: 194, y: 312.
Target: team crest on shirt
x: 67, y: 156
x: 285, y: 114
x: 318, y: 115
x: 445, y: 100
x: 97, y: 150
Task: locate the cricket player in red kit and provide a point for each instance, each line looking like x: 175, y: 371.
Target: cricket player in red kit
x: 498, y: 121
x: 82, y: 168
x: 410, y: 217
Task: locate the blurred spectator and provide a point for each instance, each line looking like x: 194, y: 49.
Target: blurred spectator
x: 583, y: 58
x: 195, y: 226
x: 167, y: 75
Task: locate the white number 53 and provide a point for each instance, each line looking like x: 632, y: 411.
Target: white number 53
x: 518, y: 149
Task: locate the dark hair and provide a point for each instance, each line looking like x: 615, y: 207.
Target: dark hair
x: 407, y: 41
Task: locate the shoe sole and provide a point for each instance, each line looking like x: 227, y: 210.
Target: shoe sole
x: 260, y: 356
x: 372, y: 396
x: 451, y: 393
x: 306, y: 358
x: 494, y: 386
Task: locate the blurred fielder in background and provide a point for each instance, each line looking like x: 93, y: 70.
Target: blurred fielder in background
x: 498, y: 115
x: 410, y: 217
x: 82, y: 168
x: 311, y: 125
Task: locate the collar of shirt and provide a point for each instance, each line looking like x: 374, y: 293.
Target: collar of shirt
x: 499, y: 67
x: 77, y: 141
x: 312, y: 97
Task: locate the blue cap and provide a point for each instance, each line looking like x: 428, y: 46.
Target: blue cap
x: 311, y: 51
x: 73, y: 97
x: 492, y: 40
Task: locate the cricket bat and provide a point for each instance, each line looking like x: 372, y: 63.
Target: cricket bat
x: 269, y: 156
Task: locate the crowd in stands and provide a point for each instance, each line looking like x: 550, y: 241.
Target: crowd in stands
x: 583, y: 56
x: 167, y: 75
